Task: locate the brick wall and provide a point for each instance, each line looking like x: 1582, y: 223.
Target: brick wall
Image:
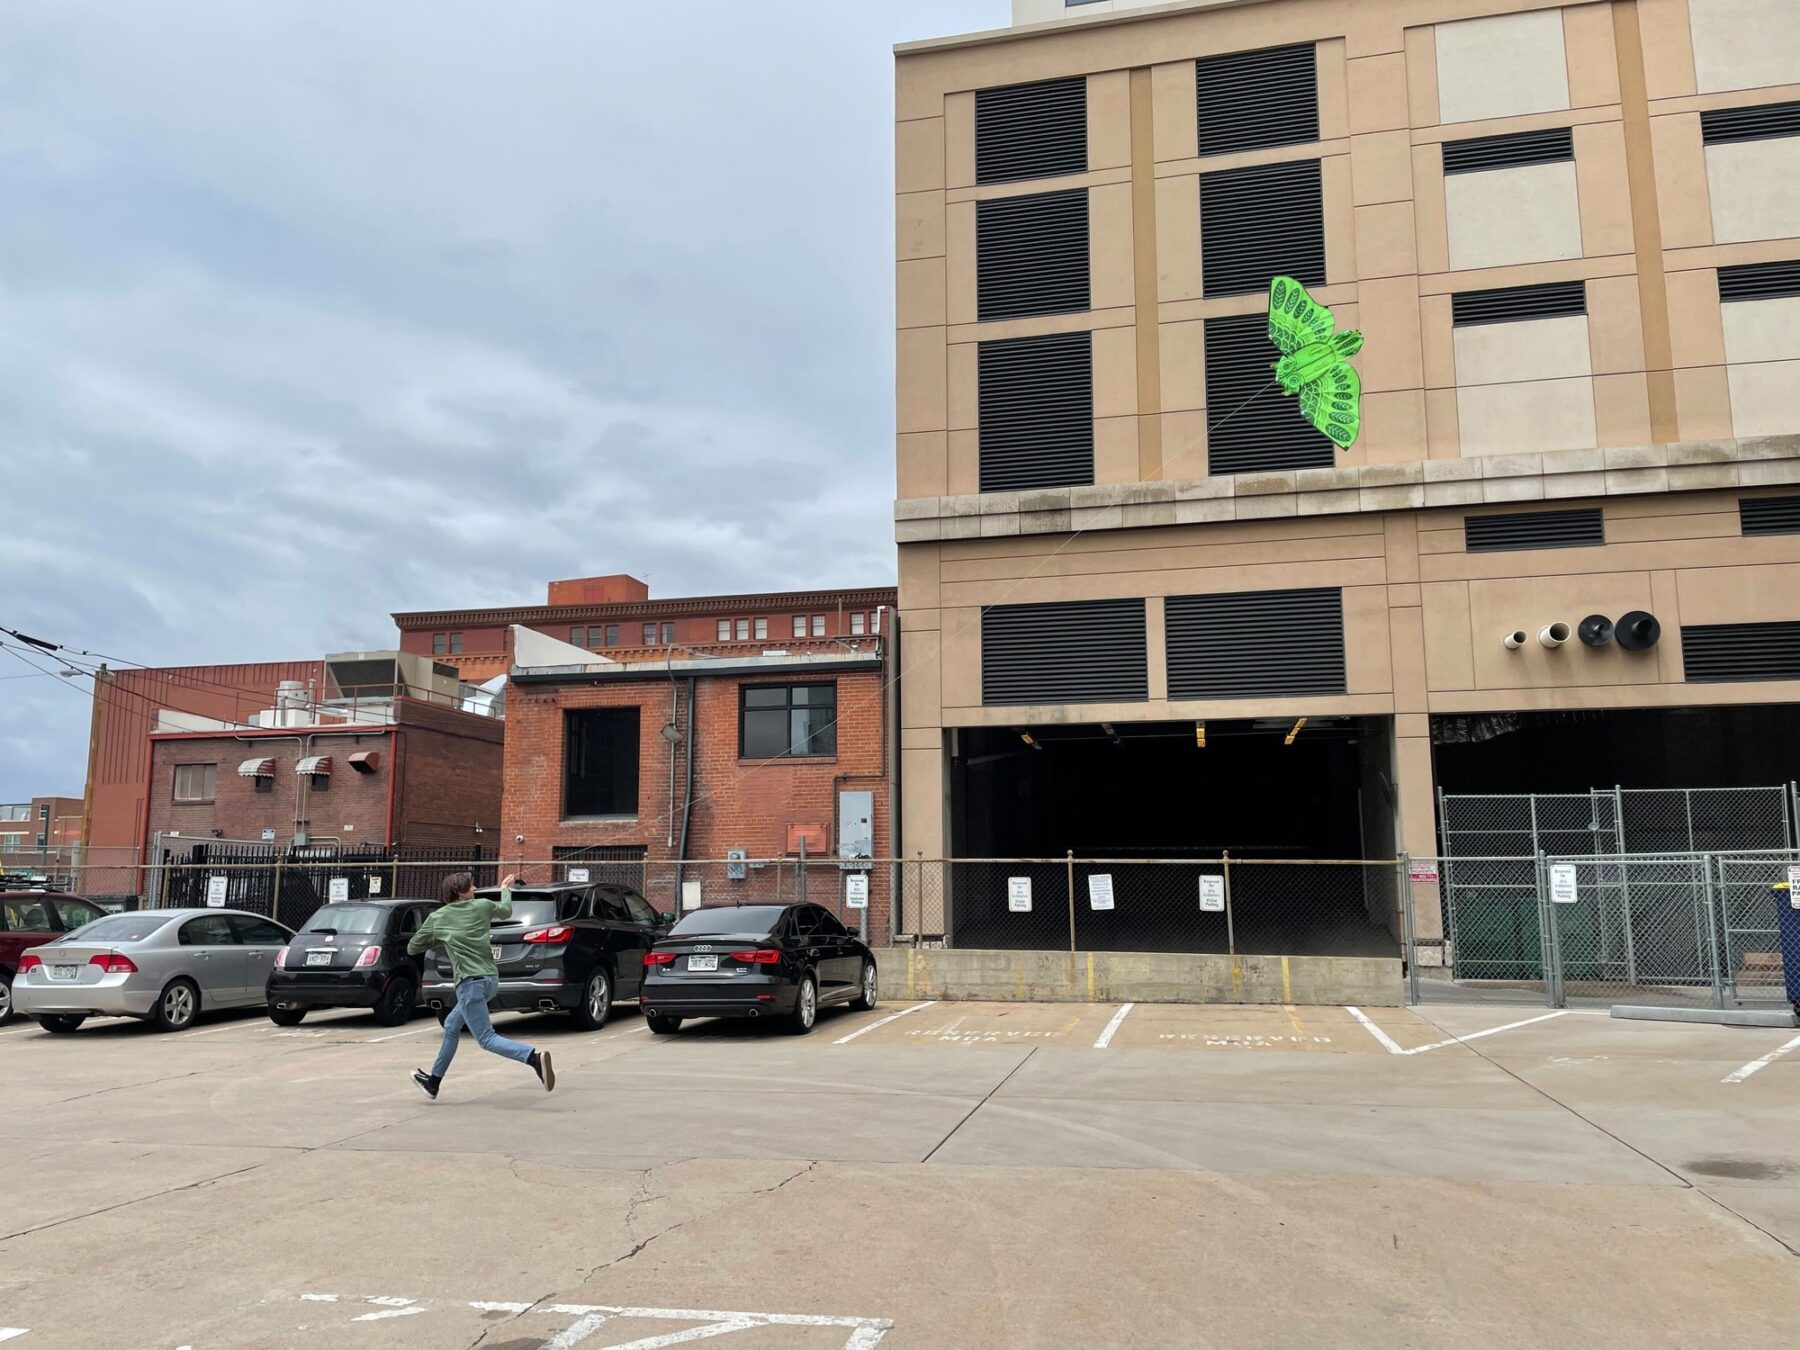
x: 747, y: 804
x: 450, y: 778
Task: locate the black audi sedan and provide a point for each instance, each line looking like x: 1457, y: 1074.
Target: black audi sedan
x: 350, y: 954
x: 783, y: 962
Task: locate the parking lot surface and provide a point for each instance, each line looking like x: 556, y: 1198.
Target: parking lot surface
x: 923, y: 1175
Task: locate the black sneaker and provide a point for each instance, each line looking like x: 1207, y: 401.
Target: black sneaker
x: 543, y: 1068
x: 426, y: 1081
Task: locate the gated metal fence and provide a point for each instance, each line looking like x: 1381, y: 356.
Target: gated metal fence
x: 1697, y: 929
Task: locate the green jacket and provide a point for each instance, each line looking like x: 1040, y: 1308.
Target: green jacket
x: 461, y: 928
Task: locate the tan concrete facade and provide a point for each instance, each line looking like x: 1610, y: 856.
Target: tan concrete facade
x: 1660, y: 404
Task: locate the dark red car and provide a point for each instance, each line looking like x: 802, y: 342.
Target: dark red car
x: 30, y: 919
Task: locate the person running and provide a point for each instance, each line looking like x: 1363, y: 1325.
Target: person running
x: 460, y: 926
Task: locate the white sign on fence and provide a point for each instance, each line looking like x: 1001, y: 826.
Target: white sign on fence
x: 1018, y: 895
x: 1794, y: 887
x: 217, y: 889
x: 337, y: 889
x: 1212, y: 895
x: 578, y: 874
x: 691, y: 897
x: 856, y: 890
x: 1100, y: 891
x: 1422, y: 872
x: 374, y: 885
x: 1563, y: 890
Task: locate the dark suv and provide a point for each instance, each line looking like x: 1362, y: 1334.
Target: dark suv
x: 351, y: 954
x: 30, y: 919
x: 570, y: 947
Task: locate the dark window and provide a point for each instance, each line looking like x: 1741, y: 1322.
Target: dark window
x: 538, y: 907
x: 639, y: 907
x: 195, y: 782
x: 73, y: 913
x: 1253, y: 427
x: 1512, y: 304
x: 456, y: 644
x: 1031, y: 130
x: 27, y: 916
x: 792, y: 720
x: 1581, y: 527
x: 1482, y: 153
x: 649, y: 635
x: 612, y: 634
x: 254, y: 932
x: 1256, y: 644
x: 731, y: 920
x: 1759, y: 281
x: 440, y: 644
x: 1769, y: 515
x: 600, y: 762
x: 803, y: 921
x: 596, y: 636
x: 120, y: 928
x: 578, y: 636
x: 828, y: 926
x: 352, y: 918
x: 1031, y: 255
x: 1036, y: 401
x: 1725, y: 653
x: 410, y: 919
x: 1079, y: 651
x: 1259, y: 223
x: 668, y: 634
x: 1721, y: 126
x: 1252, y: 100
x: 610, y: 905
x: 321, y: 782
x: 209, y: 930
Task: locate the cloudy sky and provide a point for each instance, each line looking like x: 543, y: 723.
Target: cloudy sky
x: 315, y: 309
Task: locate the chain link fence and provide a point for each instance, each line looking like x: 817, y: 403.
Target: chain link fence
x: 111, y: 877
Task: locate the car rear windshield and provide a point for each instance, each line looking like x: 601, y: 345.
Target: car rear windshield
x: 747, y: 920
x: 348, y: 919
x: 531, y: 909
x: 118, y: 928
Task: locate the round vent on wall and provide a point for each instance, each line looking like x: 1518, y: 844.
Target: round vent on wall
x: 1638, y: 631
x: 1596, y: 630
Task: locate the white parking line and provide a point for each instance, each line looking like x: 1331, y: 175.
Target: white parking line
x: 1112, y: 1026
x: 883, y: 1021
x: 1491, y: 1031
x: 378, y: 1040
x: 9, y: 1333
x: 1756, y: 1066
x: 1392, y: 1047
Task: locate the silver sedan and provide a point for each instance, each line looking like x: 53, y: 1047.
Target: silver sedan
x: 163, y: 965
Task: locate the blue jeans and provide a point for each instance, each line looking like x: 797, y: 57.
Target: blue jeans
x: 471, y: 1009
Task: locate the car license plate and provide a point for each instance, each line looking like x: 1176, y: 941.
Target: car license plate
x: 703, y: 963
x: 496, y: 953
x: 64, y: 972
x: 318, y: 958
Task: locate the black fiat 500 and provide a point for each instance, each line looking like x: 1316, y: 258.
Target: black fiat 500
x: 351, y: 954
x: 783, y: 962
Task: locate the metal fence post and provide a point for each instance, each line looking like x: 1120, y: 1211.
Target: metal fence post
x: 1550, y: 951
x: 1071, y: 878
x: 1409, y: 946
x: 1230, y: 928
x: 275, y: 899
x: 1714, y: 925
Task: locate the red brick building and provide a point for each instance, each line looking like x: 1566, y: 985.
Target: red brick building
x: 616, y: 617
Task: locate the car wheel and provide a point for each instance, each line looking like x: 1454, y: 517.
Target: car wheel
x: 866, y: 999
x: 61, y: 1022
x: 176, y: 1007
x: 6, y: 1003
x: 596, y: 1002
x: 806, y: 1007
x: 397, y: 1001
x: 663, y: 1026
x: 286, y: 1017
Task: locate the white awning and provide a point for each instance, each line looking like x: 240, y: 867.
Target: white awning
x: 314, y: 764
x: 257, y: 768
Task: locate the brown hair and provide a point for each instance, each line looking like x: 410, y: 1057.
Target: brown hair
x: 457, y: 885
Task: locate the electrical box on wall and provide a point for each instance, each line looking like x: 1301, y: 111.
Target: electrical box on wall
x: 856, y: 824
x: 735, y: 868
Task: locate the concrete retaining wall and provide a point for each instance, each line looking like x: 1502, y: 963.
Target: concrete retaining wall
x: 1138, y: 977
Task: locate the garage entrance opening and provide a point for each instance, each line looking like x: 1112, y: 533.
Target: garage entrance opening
x: 1279, y: 791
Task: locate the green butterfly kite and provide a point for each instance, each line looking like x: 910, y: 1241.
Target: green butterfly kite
x: 1315, y: 361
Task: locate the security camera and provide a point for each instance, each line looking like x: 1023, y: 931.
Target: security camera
x: 518, y: 839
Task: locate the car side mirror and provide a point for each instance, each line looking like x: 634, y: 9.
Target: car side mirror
x: 666, y: 916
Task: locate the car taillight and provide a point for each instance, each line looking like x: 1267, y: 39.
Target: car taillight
x: 370, y: 955
x: 558, y: 933
x: 29, y: 963
x: 659, y: 958
x: 762, y: 956
x: 114, y: 964
x: 281, y: 959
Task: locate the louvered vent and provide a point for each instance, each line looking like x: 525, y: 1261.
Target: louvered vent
x: 1037, y: 412
x: 1252, y: 426
x: 1509, y: 152
x: 1511, y: 304
x: 1721, y: 126
x: 1582, y: 527
x: 1759, y: 281
x: 1251, y: 100
x: 1731, y: 653
x: 1031, y: 131
x: 1079, y: 651
x: 1260, y: 223
x: 1256, y: 644
x: 1031, y: 255
x: 1769, y: 515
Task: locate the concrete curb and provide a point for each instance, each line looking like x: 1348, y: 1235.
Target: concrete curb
x: 1724, y: 1017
